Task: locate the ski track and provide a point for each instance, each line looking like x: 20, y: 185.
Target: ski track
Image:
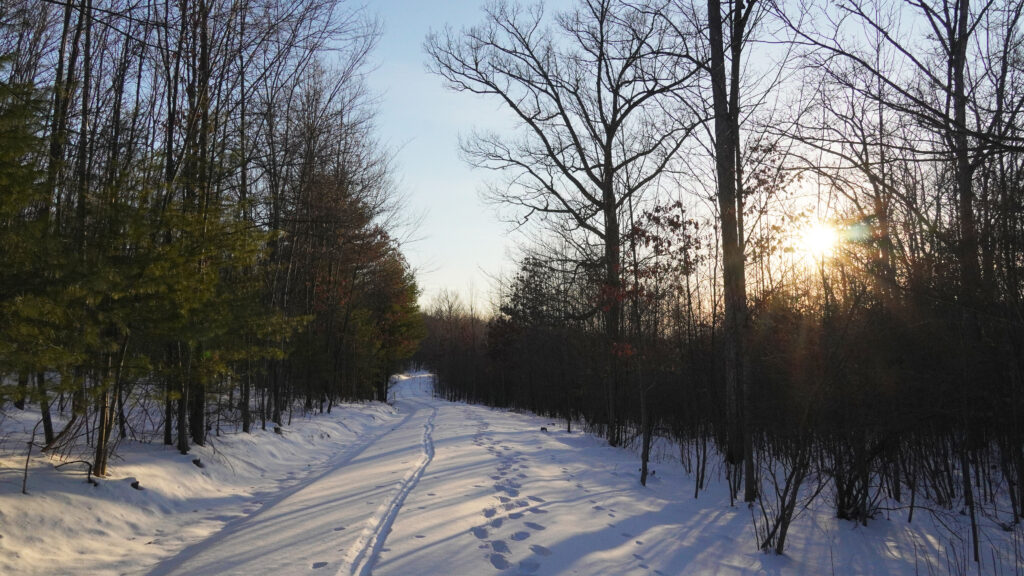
x: 376, y: 533
x: 170, y: 565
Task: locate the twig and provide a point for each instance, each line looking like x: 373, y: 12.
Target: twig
x: 24, y: 479
x: 88, y: 470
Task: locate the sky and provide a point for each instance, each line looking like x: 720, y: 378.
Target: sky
x: 459, y: 244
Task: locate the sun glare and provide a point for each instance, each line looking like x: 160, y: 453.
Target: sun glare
x: 819, y: 240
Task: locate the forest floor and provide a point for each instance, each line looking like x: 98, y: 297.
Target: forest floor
x: 430, y: 487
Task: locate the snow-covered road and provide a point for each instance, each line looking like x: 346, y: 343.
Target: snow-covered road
x: 433, y: 488
x: 338, y: 520
x: 446, y: 488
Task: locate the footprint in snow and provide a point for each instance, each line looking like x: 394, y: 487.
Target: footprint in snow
x: 499, y: 562
x: 540, y: 550
x: 489, y: 512
x: 500, y: 547
x: 515, y: 515
x: 520, y: 536
x: 534, y: 526
x: 598, y: 508
x: 479, y: 531
x: 339, y: 528
x: 536, y: 499
x: 537, y: 510
x: 318, y: 565
x: 497, y: 522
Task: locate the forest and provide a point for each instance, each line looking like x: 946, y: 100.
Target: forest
x: 788, y: 236
x: 198, y: 228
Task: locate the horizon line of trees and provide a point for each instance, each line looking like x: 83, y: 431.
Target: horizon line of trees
x: 667, y: 155
x: 197, y: 225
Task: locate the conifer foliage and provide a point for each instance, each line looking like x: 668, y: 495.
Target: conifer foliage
x: 192, y: 218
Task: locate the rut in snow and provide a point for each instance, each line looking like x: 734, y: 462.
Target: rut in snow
x: 372, y: 540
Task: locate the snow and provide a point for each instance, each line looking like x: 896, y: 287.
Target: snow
x: 430, y: 487
x: 66, y: 526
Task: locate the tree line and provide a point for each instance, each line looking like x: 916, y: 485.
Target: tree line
x: 667, y: 157
x: 194, y: 218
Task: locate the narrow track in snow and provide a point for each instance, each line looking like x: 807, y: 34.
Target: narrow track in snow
x: 239, y: 528
x: 375, y: 535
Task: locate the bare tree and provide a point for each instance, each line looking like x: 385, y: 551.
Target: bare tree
x: 727, y: 152
x: 593, y: 98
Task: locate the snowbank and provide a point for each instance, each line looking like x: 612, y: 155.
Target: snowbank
x: 66, y: 526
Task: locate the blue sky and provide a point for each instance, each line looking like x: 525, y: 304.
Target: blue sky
x: 460, y: 240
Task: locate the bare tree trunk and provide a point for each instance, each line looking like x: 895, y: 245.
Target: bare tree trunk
x: 22, y: 391
x: 613, y: 315
x: 44, y: 408
x: 969, y: 266
x: 647, y: 431
x: 244, y: 400
x: 184, y: 373
x: 168, y: 414
x: 963, y: 168
x: 82, y: 161
x: 104, y: 423
x: 726, y: 116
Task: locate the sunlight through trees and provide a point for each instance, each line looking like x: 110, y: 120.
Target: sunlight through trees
x: 834, y: 302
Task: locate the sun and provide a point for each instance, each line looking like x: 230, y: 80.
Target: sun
x: 820, y: 240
